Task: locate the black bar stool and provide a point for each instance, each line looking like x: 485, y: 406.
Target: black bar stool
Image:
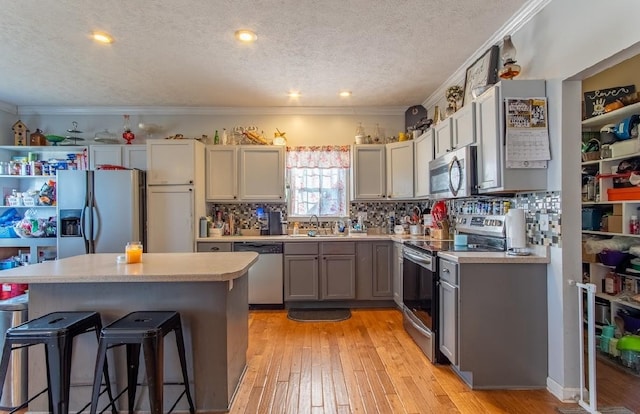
x: 56, y: 332
x: 146, y: 329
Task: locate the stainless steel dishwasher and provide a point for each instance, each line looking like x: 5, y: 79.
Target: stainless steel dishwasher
x: 266, y: 275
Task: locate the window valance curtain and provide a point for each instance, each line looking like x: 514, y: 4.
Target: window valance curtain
x: 327, y: 156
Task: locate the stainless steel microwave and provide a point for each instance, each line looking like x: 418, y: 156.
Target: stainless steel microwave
x: 453, y: 174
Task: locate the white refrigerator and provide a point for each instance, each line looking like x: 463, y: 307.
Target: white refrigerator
x: 99, y: 211
x: 175, y: 194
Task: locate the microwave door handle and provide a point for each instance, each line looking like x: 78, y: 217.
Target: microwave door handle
x: 455, y: 161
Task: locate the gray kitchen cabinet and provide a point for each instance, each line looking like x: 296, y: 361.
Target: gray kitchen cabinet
x: 173, y: 161
x: 492, y: 172
x: 319, y: 271
x: 261, y: 177
x: 449, y: 310
x: 397, y: 273
x: 221, y: 167
x: 422, y: 155
x: 493, y: 323
x: 368, y: 172
x: 128, y: 156
x: 338, y: 276
x: 301, y: 272
x: 214, y: 246
x: 399, y: 170
x: 374, y: 270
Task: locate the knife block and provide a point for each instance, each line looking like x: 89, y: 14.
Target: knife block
x: 440, y: 233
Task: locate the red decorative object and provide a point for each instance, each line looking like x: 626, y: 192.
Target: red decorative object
x: 127, y: 134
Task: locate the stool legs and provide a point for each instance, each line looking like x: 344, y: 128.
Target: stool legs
x: 153, y: 349
x: 58, y: 356
x: 133, y: 364
x: 183, y: 365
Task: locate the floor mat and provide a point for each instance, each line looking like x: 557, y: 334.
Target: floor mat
x: 318, y: 315
x: 603, y: 410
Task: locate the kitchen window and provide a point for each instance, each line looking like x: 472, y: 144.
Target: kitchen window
x: 318, y: 181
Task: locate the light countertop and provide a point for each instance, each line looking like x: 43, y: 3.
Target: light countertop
x: 155, y: 267
x: 305, y: 238
x: 539, y: 254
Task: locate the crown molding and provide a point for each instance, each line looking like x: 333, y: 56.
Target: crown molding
x: 197, y: 110
x: 8, y: 108
x: 519, y: 19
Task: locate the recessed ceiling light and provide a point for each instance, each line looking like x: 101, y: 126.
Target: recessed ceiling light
x: 102, y: 37
x: 294, y: 94
x: 246, y: 36
x: 345, y: 94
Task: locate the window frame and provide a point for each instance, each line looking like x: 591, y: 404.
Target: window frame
x: 323, y: 219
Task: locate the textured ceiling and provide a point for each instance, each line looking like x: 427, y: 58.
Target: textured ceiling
x: 183, y: 53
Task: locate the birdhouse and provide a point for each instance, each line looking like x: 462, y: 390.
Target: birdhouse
x: 37, y: 138
x: 20, y: 134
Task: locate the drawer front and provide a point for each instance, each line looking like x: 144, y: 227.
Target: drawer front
x: 301, y: 248
x: 214, y: 247
x: 449, y: 272
x: 338, y: 247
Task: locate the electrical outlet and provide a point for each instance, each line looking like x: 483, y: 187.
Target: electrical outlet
x: 544, y: 222
x: 362, y: 215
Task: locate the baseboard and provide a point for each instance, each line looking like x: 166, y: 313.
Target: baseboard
x: 566, y: 395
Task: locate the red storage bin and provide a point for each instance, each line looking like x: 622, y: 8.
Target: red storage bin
x: 619, y: 194
x: 10, y: 290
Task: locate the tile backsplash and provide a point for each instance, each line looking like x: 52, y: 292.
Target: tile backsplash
x: 538, y: 206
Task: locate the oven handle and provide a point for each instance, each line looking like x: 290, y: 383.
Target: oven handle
x: 416, y: 324
x: 419, y: 259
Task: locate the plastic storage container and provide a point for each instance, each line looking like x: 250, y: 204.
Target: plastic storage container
x: 13, y: 312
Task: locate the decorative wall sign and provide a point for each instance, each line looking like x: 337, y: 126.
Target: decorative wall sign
x: 483, y: 71
x: 595, y: 101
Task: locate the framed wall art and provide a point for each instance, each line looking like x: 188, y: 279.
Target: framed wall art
x: 483, y: 71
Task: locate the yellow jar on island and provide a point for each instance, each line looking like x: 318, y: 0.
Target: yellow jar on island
x: 133, y: 252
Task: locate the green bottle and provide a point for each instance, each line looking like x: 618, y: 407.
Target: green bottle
x: 216, y: 138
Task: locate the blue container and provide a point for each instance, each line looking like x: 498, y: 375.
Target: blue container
x: 591, y: 218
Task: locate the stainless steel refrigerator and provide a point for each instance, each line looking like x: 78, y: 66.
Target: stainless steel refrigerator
x: 99, y: 211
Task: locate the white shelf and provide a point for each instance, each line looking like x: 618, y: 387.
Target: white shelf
x: 618, y: 158
x: 47, y: 148
x: 36, y: 207
x: 619, y: 301
x: 612, y: 117
x: 608, y: 233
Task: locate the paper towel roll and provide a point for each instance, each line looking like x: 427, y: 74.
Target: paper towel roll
x: 516, y: 229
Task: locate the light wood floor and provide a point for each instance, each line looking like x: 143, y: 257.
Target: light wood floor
x: 368, y: 364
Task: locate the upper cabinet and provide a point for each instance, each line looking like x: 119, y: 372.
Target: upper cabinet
x: 261, y: 176
x: 443, y: 136
x: 399, y: 170
x: 128, y: 156
x: 174, y: 161
x: 492, y: 174
x: 464, y: 126
x: 245, y: 173
x: 456, y: 131
x: 422, y: 155
x: 368, y: 172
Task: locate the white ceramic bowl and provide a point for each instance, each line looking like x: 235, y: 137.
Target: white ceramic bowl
x: 215, y: 232
x: 398, y: 229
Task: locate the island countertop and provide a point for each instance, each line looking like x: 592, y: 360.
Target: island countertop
x: 155, y: 267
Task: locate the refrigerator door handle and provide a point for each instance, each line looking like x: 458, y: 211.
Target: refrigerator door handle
x: 91, y: 233
x: 83, y: 230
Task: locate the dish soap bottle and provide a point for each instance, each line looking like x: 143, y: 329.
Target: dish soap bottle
x: 296, y: 228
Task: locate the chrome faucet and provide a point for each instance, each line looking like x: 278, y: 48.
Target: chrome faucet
x: 317, y: 221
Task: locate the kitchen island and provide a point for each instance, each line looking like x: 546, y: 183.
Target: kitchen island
x: 208, y: 289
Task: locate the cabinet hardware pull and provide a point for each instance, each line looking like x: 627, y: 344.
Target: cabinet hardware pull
x: 445, y: 270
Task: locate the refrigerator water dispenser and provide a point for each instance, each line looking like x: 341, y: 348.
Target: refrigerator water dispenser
x: 70, y: 223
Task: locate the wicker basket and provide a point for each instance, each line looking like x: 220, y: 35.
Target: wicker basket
x: 591, y: 156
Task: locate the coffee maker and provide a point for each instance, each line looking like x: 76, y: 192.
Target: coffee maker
x: 274, y: 223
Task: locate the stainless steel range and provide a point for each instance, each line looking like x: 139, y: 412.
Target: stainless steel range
x: 480, y: 233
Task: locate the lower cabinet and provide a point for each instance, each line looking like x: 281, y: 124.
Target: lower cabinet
x: 397, y: 273
x: 374, y: 270
x: 493, y: 323
x: 319, y: 271
x: 213, y: 247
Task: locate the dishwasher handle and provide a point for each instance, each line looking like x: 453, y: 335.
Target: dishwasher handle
x: 260, y: 248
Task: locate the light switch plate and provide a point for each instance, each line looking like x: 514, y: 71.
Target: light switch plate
x: 544, y: 222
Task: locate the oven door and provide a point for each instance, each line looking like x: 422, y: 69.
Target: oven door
x: 418, y: 287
